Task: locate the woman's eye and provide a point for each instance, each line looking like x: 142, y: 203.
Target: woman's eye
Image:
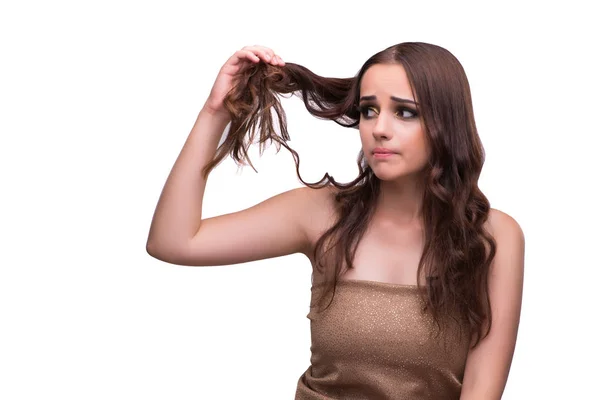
x: 369, y: 112
x: 406, y: 113
x: 365, y: 111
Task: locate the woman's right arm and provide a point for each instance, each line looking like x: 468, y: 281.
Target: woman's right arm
x: 179, y: 235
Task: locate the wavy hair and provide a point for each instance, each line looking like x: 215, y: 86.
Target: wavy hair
x: 458, y: 251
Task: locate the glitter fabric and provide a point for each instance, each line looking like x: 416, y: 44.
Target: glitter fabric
x: 374, y: 342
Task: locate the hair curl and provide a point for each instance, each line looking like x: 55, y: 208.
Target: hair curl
x: 458, y: 250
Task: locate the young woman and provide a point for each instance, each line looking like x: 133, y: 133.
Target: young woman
x: 417, y: 282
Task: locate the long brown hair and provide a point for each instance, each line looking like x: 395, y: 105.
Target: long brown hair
x: 458, y: 251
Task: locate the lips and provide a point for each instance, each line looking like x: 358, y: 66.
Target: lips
x: 380, y: 150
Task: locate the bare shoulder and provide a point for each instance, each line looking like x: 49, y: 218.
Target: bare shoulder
x: 502, y: 225
x: 510, y: 242
x: 321, y: 199
x: 320, y: 213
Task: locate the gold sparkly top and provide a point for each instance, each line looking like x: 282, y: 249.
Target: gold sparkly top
x: 374, y: 342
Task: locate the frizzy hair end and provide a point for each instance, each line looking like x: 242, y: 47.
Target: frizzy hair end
x: 254, y: 97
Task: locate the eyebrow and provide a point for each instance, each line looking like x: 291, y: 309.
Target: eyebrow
x: 397, y: 99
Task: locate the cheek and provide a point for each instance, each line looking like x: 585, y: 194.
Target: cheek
x: 363, y: 137
x: 417, y: 141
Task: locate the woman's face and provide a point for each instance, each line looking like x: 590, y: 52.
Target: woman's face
x: 390, y: 120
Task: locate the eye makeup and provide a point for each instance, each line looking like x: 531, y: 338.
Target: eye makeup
x: 364, y: 109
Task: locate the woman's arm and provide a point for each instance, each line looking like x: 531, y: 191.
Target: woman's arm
x: 488, y: 364
x: 179, y: 210
x: 275, y: 227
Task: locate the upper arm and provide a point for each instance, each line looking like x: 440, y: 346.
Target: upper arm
x: 488, y: 364
x: 272, y: 228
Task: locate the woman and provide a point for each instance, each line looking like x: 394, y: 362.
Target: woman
x: 417, y: 282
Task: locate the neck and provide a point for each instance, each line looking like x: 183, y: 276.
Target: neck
x: 401, y: 202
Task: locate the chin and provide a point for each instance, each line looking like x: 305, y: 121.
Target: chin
x: 391, y: 175
x: 387, y: 175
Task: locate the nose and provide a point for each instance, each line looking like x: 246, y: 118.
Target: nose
x: 383, y: 127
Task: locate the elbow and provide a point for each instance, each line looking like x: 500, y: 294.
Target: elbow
x: 151, y: 250
x: 170, y: 254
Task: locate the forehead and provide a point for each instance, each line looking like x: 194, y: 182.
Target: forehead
x: 385, y: 80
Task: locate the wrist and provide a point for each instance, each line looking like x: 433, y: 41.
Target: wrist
x: 221, y: 115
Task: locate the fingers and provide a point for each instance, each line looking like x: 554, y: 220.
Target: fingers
x: 265, y: 53
x: 256, y: 54
x: 279, y: 61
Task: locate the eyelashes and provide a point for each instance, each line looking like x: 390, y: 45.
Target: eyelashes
x: 364, y: 109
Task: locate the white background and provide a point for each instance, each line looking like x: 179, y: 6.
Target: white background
x: 96, y: 101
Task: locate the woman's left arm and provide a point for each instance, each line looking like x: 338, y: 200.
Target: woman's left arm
x: 488, y: 364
